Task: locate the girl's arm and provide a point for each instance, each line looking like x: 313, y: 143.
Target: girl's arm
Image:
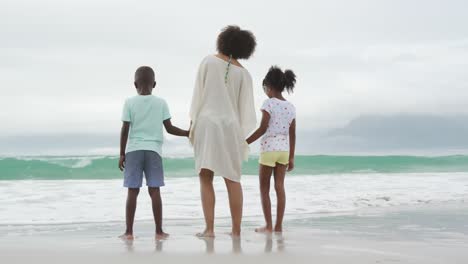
x: 262, y: 129
x: 123, y: 143
x: 292, y: 144
x: 173, y: 130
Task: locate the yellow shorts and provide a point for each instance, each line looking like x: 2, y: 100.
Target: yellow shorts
x: 271, y: 158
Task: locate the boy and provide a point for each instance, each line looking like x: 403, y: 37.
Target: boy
x: 143, y: 117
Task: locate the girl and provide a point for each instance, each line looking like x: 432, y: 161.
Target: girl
x: 278, y: 128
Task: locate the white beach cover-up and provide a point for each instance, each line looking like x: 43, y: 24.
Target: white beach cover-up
x: 222, y: 114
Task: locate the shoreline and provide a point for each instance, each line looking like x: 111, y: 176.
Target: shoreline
x: 362, y: 212
x: 250, y: 249
x: 428, y: 234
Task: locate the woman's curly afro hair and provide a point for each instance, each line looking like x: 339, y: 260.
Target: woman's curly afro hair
x: 235, y: 42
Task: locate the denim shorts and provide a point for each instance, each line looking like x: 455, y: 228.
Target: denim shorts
x: 141, y: 162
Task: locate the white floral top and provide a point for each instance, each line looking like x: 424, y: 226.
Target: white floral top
x: 282, y: 113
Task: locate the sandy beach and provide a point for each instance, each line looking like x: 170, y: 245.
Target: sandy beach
x: 435, y: 234
x: 346, y: 218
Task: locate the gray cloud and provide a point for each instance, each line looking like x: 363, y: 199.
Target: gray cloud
x: 66, y: 67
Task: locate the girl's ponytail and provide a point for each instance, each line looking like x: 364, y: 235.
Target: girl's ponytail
x: 279, y: 80
x: 289, y: 80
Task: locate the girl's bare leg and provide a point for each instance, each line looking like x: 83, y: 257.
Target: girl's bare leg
x: 235, y: 203
x: 264, y: 179
x: 208, y: 201
x: 279, y: 174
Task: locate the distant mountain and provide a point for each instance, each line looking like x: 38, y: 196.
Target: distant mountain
x: 404, y: 131
x: 369, y: 134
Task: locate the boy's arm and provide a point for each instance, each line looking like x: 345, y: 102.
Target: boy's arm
x: 262, y: 129
x: 173, y: 130
x: 292, y: 144
x: 123, y: 143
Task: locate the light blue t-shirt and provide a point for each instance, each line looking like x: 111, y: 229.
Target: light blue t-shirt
x: 146, y: 114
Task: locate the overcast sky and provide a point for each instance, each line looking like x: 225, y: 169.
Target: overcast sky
x: 67, y: 66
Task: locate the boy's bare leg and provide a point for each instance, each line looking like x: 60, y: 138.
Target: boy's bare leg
x: 208, y: 201
x: 130, y: 209
x: 279, y: 174
x: 264, y: 179
x: 236, y: 200
x: 156, y: 203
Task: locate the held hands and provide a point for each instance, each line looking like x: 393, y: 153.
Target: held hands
x: 189, y: 129
x: 291, y: 164
x: 122, y: 162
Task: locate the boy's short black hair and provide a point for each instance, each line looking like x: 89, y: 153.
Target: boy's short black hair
x: 144, y: 75
x: 235, y: 42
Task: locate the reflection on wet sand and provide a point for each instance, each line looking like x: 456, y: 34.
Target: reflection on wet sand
x: 280, y: 246
x: 159, y: 245
x: 269, y: 242
x: 236, y: 248
x: 236, y: 245
x: 128, y: 245
x: 210, y: 245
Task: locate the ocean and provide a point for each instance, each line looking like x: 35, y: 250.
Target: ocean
x: 105, y: 167
x: 88, y: 189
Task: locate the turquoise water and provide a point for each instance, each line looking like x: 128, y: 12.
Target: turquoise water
x: 93, y: 167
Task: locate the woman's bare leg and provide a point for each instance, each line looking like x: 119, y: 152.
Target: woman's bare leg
x: 264, y: 179
x: 208, y: 201
x: 235, y: 203
x: 279, y: 174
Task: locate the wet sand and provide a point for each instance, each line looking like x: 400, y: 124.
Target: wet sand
x: 300, y: 246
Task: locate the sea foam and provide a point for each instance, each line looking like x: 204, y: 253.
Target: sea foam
x: 74, y: 201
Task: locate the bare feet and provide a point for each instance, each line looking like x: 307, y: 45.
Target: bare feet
x: 235, y: 234
x: 264, y: 229
x: 278, y: 229
x: 206, y: 233
x: 161, y: 236
x: 126, y: 236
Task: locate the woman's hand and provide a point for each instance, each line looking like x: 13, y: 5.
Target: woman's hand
x: 122, y: 162
x: 291, y: 165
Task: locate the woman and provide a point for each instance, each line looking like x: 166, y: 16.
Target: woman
x: 222, y: 115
